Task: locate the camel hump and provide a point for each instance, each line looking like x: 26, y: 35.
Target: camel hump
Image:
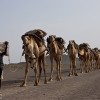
x: 60, y: 40
x: 41, y: 33
x: 36, y: 32
x: 85, y: 46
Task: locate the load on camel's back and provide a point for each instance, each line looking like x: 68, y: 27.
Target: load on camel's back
x: 38, y: 34
x: 61, y: 42
x: 4, y: 48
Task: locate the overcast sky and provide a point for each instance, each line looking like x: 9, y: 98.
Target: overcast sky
x: 77, y: 20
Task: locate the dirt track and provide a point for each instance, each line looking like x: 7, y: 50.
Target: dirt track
x: 81, y: 87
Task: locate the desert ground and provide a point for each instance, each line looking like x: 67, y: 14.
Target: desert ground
x: 85, y: 86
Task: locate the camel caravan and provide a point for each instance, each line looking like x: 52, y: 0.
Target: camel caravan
x: 36, y: 48
x: 35, y: 51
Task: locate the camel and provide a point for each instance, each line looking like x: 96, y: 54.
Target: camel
x: 35, y: 54
x: 56, y: 50
x: 91, y: 59
x: 96, y: 58
x: 84, y: 54
x: 72, y: 52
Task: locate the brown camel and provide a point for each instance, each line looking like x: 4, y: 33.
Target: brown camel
x: 96, y: 58
x: 91, y: 59
x: 56, y: 46
x: 35, y: 53
x: 84, y: 54
x: 72, y: 52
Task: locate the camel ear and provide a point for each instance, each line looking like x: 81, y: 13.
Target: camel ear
x: 74, y: 41
x: 68, y: 46
x: 29, y: 37
x: 48, y: 39
x: 22, y: 37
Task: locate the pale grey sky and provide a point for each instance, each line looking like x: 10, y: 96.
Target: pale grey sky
x: 70, y: 19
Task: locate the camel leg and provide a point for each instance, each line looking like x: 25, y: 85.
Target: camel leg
x: 86, y: 67
x: 98, y: 64
x: 60, y: 70
x: 40, y: 68
x: 36, y: 77
x: 44, y: 68
x: 70, y: 71
x: 51, y: 58
x: 81, y: 66
x: 26, y: 73
x: 0, y: 83
x: 75, y: 73
x: 74, y: 68
x: 91, y: 65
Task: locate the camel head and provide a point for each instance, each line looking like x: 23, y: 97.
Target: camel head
x: 52, y: 38
x: 26, y: 39
x: 72, y: 44
x: 96, y: 49
x: 84, y: 47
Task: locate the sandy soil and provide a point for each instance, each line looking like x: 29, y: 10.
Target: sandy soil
x: 81, y: 87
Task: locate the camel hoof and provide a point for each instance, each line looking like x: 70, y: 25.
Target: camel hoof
x: 58, y: 78
x: 69, y: 75
x: 32, y: 67
x: 50, y: 79
x: 75, y: 74
x: 45, y: 82
x: 36, y: 83
x: 23, y: 85
x: 86, y: 72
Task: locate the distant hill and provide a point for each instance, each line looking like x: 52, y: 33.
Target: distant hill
x: 65, y: 59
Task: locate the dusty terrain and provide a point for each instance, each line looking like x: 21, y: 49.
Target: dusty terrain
x: 85, y: 86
